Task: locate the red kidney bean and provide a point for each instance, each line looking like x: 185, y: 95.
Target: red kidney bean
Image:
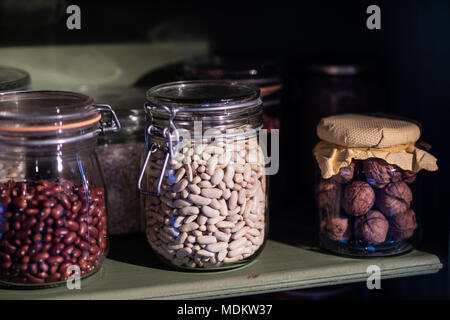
x: 72, y: 225
x: 43, y: 267
x: 102, y: 243
x: 17, y: 225
x: 16, y: 242
x: 32, y: 211
x: 23, y: 234
x: 57, y: 211
x: 70, y: 237
x: 61, y: 232
x: 37, y: 237
x: 4, y: 256
x: 83, y: 229
x: 94, y: 249
x: 54, y: 277
x: 33, y: 268
x: 48, y: 230
x: 60, y: 223
x: 45, y: 213
x: 48, y: 237
x: 20, y: 202
x: 41, y: 256
x: 63, y: 268
x: 20, y: 266
x: 54, y: 268
x: 25, y: 259
x: 23, y: 251
x: 76, y: 253
x: 4, y: 226
x: 55, y: 260
x: 57, y: 249
x: 39, y: 227
x: 65, y: 201
x: 47, y: 246
x: 34, y: 203
x: 42, y: 275
x: 29, y: 223
x: 84, y: 245
x: 6, y: 246
x: 33, y: 279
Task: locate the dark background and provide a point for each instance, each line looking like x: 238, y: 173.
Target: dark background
x: 413, y: 48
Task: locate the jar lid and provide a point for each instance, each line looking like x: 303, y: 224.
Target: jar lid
x: 12, y: 79
x: 221, y: 104
x: 367, y: 131
x: 202, y: 96
x: 56, y: 113
x: 261, y: 72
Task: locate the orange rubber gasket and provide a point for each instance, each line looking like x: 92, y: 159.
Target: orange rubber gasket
x: 265, y: 91
x: 53, y: 128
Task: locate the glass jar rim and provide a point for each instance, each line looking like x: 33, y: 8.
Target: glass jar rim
x: 13, y: 78
x: 51, y: 117
x: 205, y: 95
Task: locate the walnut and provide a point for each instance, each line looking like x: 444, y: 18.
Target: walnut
x: 328, y: 196
x: 403, y: 225
x: 394, y: 199
x: 337, y: 228
x: 345, y: 174
x: 372, y: 228
x: 408, y: 176
x: 379, y: 173
x: 358, y: 198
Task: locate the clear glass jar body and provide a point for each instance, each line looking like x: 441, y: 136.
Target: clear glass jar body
x: 52, y: 196
x: 367, y: 209
x: 211, y: 209
x: 53, y: 215
x: 120, y: 161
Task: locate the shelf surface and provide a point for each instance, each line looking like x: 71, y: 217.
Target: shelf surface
x: 280, y: 267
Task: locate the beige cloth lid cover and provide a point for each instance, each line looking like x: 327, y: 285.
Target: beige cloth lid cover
x: 353, y: 136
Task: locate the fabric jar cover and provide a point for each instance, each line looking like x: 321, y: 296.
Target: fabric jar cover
x: 346, y: 137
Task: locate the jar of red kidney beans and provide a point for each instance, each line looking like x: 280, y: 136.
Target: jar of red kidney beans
x: 365, y: 197
x: 53, y: 213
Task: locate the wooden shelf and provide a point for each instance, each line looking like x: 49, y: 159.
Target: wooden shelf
x: 280, y: 267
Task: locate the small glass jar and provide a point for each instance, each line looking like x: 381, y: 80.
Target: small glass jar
x: 266, y: 74
x: 203, y: 178
x: 120, y: 158
x: 53, y: 213
x: 365, y: 193
x: 13, y: 79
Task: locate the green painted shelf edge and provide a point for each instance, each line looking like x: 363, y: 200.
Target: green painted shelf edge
x: 280, y: 267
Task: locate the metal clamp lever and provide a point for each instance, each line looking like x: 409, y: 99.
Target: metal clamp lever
x: 153, y: 148
x: 112, y: 124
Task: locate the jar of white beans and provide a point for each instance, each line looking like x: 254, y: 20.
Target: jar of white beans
x: 203, y: 181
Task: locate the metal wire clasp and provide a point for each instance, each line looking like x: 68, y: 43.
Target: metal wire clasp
x: 112, y: 124
x: 171, y: 134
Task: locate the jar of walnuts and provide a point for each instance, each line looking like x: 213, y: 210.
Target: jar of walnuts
x: 368, y: 164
